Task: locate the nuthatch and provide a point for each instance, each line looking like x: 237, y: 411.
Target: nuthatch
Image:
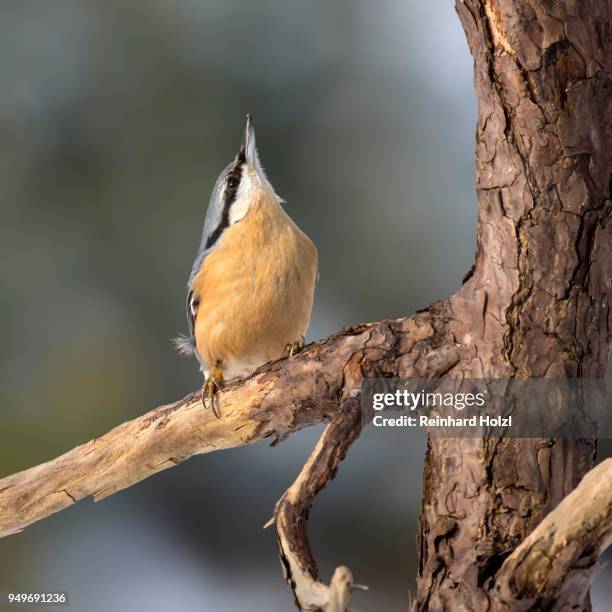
x: 249, y: 295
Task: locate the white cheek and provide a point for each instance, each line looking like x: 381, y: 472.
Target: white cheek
x: 246, y: 194
x: 239, y: 209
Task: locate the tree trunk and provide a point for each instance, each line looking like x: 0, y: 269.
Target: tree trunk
x: 536, y: 304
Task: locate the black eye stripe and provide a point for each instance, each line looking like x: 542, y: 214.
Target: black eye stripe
x: 232, y: 183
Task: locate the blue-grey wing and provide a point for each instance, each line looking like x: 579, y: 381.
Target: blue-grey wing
x: 213, y: 222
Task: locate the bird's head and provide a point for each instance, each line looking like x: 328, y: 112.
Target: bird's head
x: 240, y: 185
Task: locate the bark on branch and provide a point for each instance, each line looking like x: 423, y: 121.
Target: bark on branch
x: 553, y: 567
x: 292, y: 510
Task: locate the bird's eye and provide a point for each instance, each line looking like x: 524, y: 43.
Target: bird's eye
x: 233, y: 183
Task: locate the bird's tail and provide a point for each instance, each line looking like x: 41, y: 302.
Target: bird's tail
x: 184, y: 345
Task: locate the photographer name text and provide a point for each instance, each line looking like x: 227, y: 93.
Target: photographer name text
x: 483, y: 420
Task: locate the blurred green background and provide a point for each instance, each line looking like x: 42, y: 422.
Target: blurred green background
x: 115, y: 119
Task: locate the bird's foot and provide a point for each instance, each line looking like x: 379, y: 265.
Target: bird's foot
x: 291, y: 348
x: 212, y: 384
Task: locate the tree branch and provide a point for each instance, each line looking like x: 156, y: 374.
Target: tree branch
x: 321, y: 383
x: 251, y: 410
x: 292, y: 510
x: 558, y: 560
x: 280, y: 398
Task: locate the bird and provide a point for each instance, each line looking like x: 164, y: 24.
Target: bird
x: 251, y: 288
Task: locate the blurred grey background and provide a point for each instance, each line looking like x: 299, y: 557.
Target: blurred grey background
x: 115, y: 119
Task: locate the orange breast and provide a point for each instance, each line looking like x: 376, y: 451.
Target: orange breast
x: 255, y: 291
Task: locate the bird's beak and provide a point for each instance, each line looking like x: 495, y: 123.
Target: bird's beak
x: 248, y: 149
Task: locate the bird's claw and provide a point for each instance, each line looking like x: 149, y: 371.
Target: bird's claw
x: 291, y: 348
x: 212, y: 384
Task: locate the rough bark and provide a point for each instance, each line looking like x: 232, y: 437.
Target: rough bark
x: 537, y: 301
